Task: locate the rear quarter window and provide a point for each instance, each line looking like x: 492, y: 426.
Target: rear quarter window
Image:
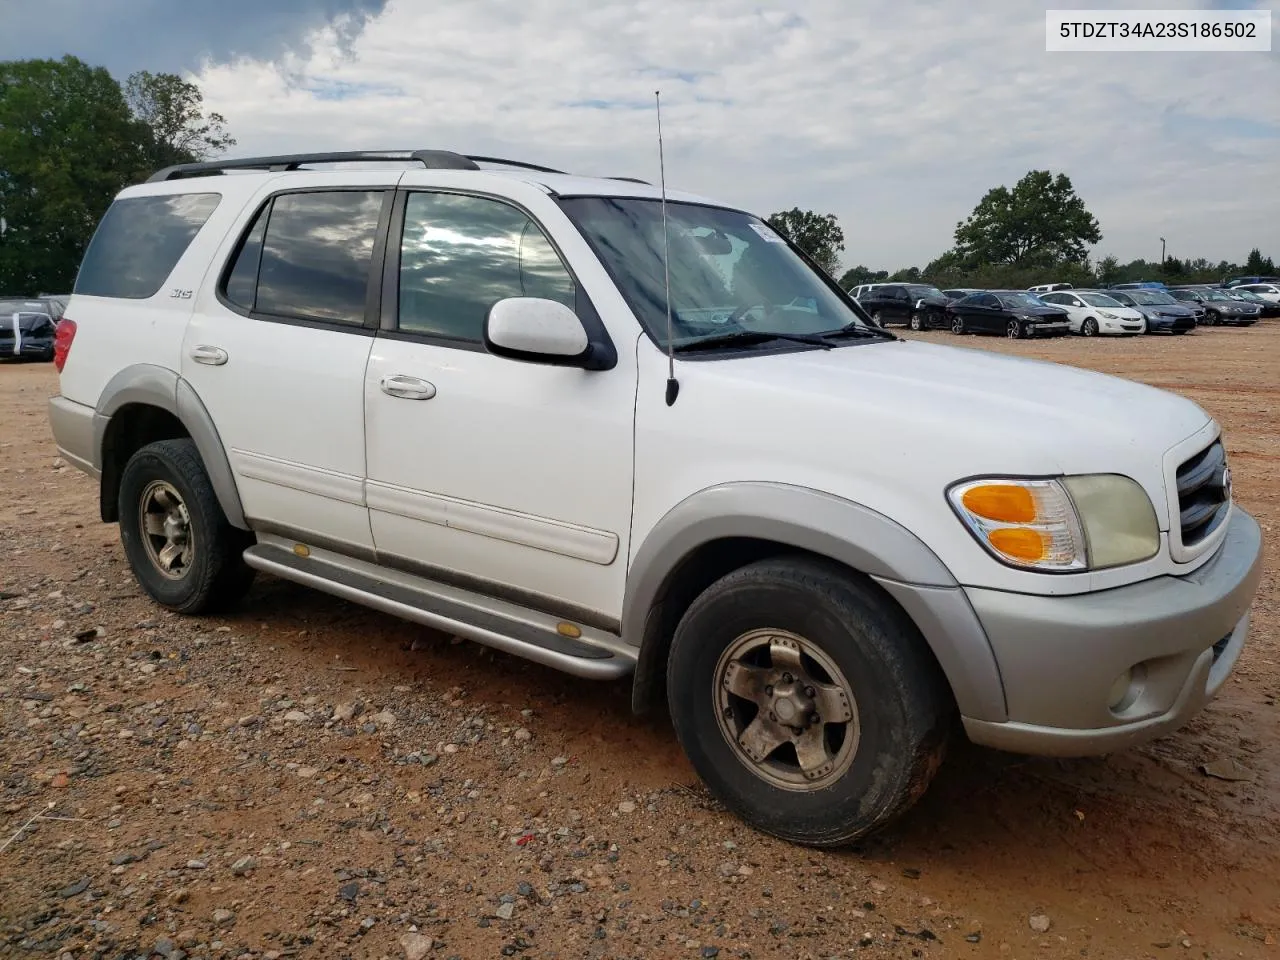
x: 138, y: 243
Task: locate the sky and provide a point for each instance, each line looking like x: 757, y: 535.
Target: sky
x: 894, y: 115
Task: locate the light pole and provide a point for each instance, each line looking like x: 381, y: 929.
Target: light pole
x: 1162, y: 251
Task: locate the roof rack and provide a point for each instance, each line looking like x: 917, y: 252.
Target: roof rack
x: 633, y: 180
x: 431, y: 159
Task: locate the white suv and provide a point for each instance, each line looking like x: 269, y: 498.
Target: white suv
x: 454, y: 393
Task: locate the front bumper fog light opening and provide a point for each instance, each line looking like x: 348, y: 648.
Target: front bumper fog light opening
x: 1125, y: 689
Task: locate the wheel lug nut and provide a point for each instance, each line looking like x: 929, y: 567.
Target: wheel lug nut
x: 786, y: 678
x: 810, y: 692
x: 768, y: 691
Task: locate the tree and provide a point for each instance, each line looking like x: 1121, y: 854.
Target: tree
x: 67, y: 146
x: 856, y: 276
x: 906, y: 275
x: 817, y: 234
x: 1258, y: 265
x: 1108, y: 271
x: 1041, y: 222
x: 173, y: 111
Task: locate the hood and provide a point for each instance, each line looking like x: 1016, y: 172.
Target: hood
x: 1166, y: 309
x: 1045, y: 312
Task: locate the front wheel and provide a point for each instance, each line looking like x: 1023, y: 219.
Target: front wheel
x: 877, y: 318
x: 183, y: 551
x: 1014, y: 330
x: 1090, y: 327
x: 1212, y: 319
x: 957, y: 325
x: 806, y: 701
x: 917, y: 321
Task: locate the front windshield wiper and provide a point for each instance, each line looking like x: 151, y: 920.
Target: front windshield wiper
x: 853, y: 330
x: 748, y: 337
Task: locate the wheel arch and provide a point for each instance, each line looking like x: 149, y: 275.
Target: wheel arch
x: 725, y: 527
x: 147, y: 402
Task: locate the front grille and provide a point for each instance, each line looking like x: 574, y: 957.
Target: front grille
x: 1204, y: 493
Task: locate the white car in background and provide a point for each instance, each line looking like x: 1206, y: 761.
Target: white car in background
x: 1091, y: 312
x: 1267, y: 291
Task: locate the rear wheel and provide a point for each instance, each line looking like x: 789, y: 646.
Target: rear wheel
x: 183, y: 551
x: 1090, y: 327
x: 806, y: 701
x: 878, y: 317
x: 1014, y: 331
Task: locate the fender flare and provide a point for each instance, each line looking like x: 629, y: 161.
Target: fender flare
x: 819, y: 523
x: 156, y: 386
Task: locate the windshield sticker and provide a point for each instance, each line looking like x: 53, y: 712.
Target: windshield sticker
x: 767, y: 232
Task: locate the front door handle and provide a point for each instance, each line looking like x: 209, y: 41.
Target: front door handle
x: 214, y: 356
x: 408, y: 388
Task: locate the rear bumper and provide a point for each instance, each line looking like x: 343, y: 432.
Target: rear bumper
x: 1059, y: 657
x: 73, y: 432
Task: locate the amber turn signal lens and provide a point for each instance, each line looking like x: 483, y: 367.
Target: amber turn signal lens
x: 1020, y: 543
x: 1002, y: 502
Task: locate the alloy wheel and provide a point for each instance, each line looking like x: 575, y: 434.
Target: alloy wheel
x: 167, y: 535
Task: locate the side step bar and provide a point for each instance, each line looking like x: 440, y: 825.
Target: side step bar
x: 588, y: 652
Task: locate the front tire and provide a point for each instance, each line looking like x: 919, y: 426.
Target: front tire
x: 1014, y: 331
x: 1089, y: 328
x: 806, y: 701
x: 183, y: 551
x: 957, y: 325
x: 878, y: 318
x: 917, y: 321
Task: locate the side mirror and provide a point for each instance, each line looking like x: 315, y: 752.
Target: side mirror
x: 539, y: 331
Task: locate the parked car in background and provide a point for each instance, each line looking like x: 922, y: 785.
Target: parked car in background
x: 1015, y: 313
x: 918, y: 305
x: 1218, y: 307
x: 27, y: 329
x: 1139, y: 285
x: 1163, y: 313
x: 1049, y: 287
x: 57, y: 303
x: 1091, y: 312
x: 1266, y: 308
x: 959, y: 293
x: 1267, y: 291
x: 1237, y: 281
x: 858, y: 291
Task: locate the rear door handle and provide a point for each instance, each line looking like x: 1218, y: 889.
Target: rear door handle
x: 408, y: 388
x: 213, y: 356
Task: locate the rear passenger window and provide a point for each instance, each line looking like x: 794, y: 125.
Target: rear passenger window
x: 242, y: 282
x: 138, y: 243
x: 460, y: 255
x: 316, y: 253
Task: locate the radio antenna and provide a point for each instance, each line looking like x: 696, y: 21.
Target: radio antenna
x: 673, y: 386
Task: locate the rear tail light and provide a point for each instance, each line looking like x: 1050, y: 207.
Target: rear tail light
x: 66, y: 333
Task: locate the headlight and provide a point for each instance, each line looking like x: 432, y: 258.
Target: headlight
x: 1069, y: 524
x: 1108, y: 314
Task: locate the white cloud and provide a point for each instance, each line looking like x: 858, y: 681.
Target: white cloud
x: 896, y: 116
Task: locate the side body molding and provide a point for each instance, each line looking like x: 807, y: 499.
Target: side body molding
x: 160, y: 387
x: 819, y: 523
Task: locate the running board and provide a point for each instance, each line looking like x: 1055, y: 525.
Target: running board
x: 575, y: 649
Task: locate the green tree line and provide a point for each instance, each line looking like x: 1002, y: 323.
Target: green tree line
x: 71, y: 137
x: 1038, y: 231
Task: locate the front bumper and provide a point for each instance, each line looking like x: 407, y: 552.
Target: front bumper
x: 1056, y: 329
x: 1059, y: 656
x: 1166, y: 324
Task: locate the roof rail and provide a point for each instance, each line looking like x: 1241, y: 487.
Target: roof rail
x: 633, y: 180
x: 431, y: 159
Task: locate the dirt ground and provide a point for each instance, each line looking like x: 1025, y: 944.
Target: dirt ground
x: 308, y: 778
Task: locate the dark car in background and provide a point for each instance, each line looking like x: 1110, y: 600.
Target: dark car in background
x: 1164, y: 314
x: 27, y: 329
x: 916, y: 304
x: 1237, y: 281
x: 1015, y: 313
x: 959, y: 293
x: 1266, y: 308
x: 1218, y: 307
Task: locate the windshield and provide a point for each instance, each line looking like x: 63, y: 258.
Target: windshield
x: 918, y: 290
x: 1099, y: 300
x: 1149, y: 298
x: 1020, y: 300
x: 1215, y: 295
x: 730, y: 272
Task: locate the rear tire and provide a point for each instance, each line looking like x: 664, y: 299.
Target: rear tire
x: 183, y: 551
x: 877, y: 318
x: 818, y: 664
